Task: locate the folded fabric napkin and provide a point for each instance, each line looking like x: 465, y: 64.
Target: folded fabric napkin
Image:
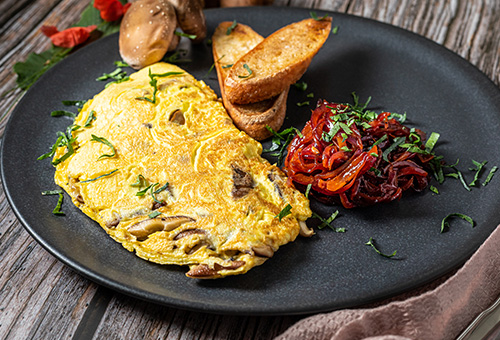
x: 440, y: 312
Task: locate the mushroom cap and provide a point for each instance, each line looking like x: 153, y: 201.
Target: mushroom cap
x: 146, y: 32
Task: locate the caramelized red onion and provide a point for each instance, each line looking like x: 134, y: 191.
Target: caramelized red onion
x: 355, y: 165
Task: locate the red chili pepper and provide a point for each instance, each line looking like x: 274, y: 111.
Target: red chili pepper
x: 111, y: 10
x: 69, y: 37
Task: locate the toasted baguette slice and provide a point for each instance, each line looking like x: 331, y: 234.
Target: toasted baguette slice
x: 277, y: 62
x: 251, y: 118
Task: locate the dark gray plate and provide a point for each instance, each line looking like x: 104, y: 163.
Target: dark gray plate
x: 402, y: 72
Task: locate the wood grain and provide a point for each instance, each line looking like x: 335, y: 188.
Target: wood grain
x: 40, y: 298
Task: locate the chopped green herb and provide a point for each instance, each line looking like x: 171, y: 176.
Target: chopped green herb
x: 232, y: 27
x: 250, y: 72
x: 285, y: 212
x: 57, y: 209
x: 301, y: 86
x: 117, y: 74
x: 98, y: 177
x: 431, y: 142
x: 213, y: 65
x: 51, y: 192
x: 400, y: 117
x: 434, y: 189
x: 60, y: 113
x: 228, y: 66
x: 175, y: 57
x: 380, y: 140
x: 315, y: 16
x: 280, y: 142
x: 182, y: 34
x: 310, y: 95
x: 78, y: 103
x: 64, y: 141
x: 479, y: 167
x: 105, y: 142
x: 335, y: 29
x: 445, y: 224
x: 372, y: 244
x: 154, y: 83
x: 90, y: 118
x: 154, y: 214
x: 303, y: 103
x: 140, y: 183
x: 153, y: 193
x: 308, y: 189
x: 52, y: 150
x: 120, y: 63
x: 397, y: 141
x: 459, y: 176
x: 490, y: 175
x: 144, y: 191
x: 326, y: 222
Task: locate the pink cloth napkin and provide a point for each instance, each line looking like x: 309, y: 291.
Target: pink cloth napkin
x: 440, y: 313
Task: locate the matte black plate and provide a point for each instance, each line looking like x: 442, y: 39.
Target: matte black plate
x: 402, y: 72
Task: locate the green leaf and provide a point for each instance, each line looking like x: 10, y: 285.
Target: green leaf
x: 445, y: 223
x: 284, y: 212
x: 370, y: 243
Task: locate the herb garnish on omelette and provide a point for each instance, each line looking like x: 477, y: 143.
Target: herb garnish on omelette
x: 174, y: 180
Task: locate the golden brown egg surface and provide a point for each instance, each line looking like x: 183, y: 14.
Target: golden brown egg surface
x: 165, y: 172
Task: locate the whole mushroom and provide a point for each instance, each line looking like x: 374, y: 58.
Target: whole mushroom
x: 146, y: 32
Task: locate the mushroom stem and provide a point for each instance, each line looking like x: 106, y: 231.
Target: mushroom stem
x: 143, y: 229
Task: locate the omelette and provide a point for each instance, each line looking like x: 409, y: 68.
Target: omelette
x: 158, y: 163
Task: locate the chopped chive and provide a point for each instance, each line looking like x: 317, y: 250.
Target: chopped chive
x: 90, y: 118
x: 460, y: 177
x: 308, y: 189
x: 284, y: 212
x: 60, y: 113
x: 78, y: 103
x: 51, y: 192
x: 490, y: 175
x: 153, y: 193
x: 57, y: 209
x: 434, y: 189
x: 213, y: 65
x: 105, y: 142
x: 315, y: 16
x: 228, y: 66
x: 380, y: 140
x: 232, y: 27
x: 154, y: 214
x: 52, y: 150
x: 120, y: 63
x: 98, y: 177
x: 431, y: 142
x: 328, y: 221
x: 182, y: 34
x: 446, y: 224
x: 301, y: 86
x: 250, y: 72
x: 479, y: 167
x: 392, y: 147
x: 141, y: 182
x: 335, y: 29
x: 370, y: 243
x: 310, y: 95
x: 303, y: 104
x: 144, y: 191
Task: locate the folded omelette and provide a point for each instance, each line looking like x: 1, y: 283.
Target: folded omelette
x: 158, y: 163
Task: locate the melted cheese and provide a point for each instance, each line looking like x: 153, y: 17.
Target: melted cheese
x: 201, y: 156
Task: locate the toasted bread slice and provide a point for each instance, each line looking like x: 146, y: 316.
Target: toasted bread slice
x: 277, y: 62
x: 227, y: 50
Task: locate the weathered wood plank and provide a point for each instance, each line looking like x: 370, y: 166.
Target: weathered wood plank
x: 41, y: 298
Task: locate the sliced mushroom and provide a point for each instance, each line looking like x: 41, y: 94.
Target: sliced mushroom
x: 203, y: 271
x: 197, y: 247
x: 188, y: 232
x: 305, y: 230
x: 191, y: 18
x: 157, y: 205
x: 263, y: 251
x: 143, y: 229
x: 74, y: 189
x: 275, y: 180
x: 178, y: 117
x: 242, y: 182
x: 146, y: 32
x: 113, y: 222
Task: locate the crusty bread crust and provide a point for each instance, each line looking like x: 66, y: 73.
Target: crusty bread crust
x: 277, y: 62
x: 253, y: 117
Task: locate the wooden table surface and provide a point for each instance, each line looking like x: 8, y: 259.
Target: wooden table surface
x: 40, y: 298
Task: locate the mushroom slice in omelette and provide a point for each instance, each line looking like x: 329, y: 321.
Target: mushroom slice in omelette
x: 158, y: 163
